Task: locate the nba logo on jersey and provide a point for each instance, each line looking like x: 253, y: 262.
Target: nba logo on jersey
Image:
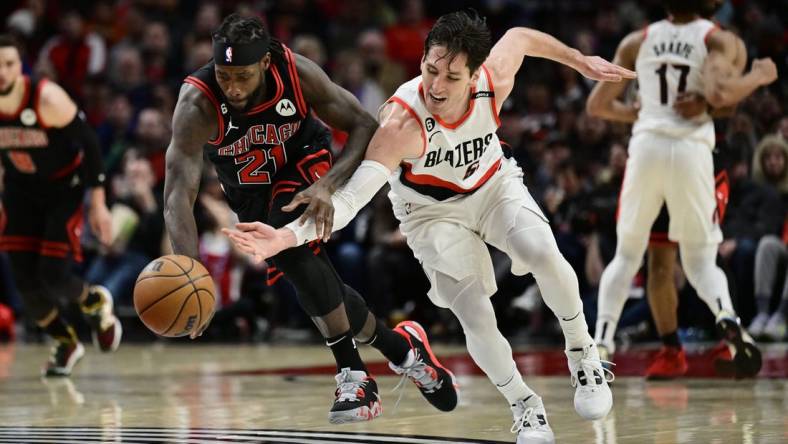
x: 228, y: 54
x: 285, y: 108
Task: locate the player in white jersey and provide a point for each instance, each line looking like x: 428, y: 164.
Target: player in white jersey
x: 453, y: 190
x: 671, y: 161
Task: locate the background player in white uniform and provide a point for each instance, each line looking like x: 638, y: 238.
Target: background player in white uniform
x: 453, y: 191
x: 671, y: 161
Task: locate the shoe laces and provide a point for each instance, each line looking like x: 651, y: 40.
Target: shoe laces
x: 348, y: 389
x: 589, y: 366
x: 522, y: 419
x: 423, y: 375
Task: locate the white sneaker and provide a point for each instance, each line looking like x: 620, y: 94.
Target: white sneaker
x: 758, y: 324
x: 530, y: 422
x: 775, y: 329
x: 593, y: 398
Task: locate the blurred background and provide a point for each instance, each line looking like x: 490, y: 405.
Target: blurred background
x: 123, y: 61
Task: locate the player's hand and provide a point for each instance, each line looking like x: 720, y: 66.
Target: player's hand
x: 257, y: 239
x: 690, y: 104
x: 100, y: 222
x: 766, y: 69
x: 319, y: 207
x: 197, y: 333
x: 597, y: 68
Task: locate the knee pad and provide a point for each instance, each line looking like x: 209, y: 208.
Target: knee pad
x: 318, y: 286
x: 356, y: 309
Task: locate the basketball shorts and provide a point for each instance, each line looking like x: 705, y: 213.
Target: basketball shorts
x: 675, y: 172
x: 43, y: 218
x: 449, y: 237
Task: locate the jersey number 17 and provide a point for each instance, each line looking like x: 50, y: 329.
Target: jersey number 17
x: 663, y: 80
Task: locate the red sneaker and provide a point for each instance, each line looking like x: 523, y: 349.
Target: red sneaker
x: 670, y: 362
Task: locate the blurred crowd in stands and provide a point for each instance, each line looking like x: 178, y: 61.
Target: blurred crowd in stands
x: 123, y: 61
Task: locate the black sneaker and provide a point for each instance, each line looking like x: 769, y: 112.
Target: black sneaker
x: 63, y: 357
x: 746, y: 362
x: 106, y: 327
x: 356, y: 398
x: 436, y: 382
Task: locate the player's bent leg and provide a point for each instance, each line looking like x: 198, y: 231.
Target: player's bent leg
x: 699, y: 262
x: 66, y: 350
x: 321, y: 293
x: 470, y: 302
x: 532, y: 246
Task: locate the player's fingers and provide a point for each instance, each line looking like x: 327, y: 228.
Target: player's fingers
x: 298, y: 199
x: 308, y: 213
x: 328, y: 228
x: 249, y: 226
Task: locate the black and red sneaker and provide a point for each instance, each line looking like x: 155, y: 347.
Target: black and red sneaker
x: 63, y: 357
x: 105, y: 326
x: 356, y: 398
x: 436, y: 382
x: 746, y: 357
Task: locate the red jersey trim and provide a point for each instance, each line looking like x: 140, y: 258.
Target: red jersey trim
x: 279, y: 92
x: 427, y: 179
x: 462, y: 119
x: 493, y: 105
x: 295, y: 81
x: 709, y: 32
x: 413, y: 114
x: 25, y: 98
x: 37, y: 103
x: 208, y: 93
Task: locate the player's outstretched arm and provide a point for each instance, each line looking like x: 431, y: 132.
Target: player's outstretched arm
x: 722, y: 89
x: 340, y: 109
x: 59, y: 111
x: 507, y: 55
x: 193, y: 124
x: 399, y: 137
x: 605, y: 99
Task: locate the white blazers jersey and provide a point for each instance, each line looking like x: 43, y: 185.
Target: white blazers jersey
x: 669, y: 62
x: 457, y: 158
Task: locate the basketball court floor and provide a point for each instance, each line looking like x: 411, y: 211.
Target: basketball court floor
x: 180, y: 392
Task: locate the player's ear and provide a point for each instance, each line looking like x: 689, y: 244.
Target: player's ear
x: 475, y: 75
x: 265, y: 62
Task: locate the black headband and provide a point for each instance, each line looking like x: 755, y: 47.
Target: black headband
x: 241, y: 54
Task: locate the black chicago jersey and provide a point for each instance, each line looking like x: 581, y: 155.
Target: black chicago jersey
x: 31, y: 152
x: 252, y: 146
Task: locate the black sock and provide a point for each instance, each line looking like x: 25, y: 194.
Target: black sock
x: 60, y: 331
x: 345, y: 353
x: 671, y: 340
x: 392, y: 345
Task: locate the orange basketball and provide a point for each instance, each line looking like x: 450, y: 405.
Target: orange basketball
x: 174, y: 295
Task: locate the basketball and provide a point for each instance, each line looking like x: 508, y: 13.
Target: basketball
x: 174, y: 295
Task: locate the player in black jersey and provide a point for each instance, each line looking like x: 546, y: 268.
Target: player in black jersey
x: 249, y: 113
x: 50, y: 157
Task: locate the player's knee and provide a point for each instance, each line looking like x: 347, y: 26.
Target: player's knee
x: 356, y: 308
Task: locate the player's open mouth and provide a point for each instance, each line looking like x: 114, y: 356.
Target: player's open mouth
x: 436, y: 99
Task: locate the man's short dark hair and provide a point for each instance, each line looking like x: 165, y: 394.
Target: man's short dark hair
x: 461, y: 32
x: 236, y: 30
x: 7, y: 40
